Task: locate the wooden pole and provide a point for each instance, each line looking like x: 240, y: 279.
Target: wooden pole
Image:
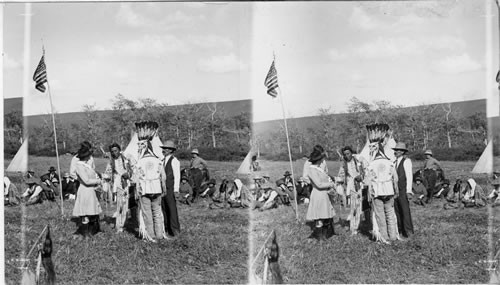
x: 55, y: 136
x: 289, y: 151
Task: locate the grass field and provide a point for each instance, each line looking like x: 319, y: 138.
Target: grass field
x: 449, y: 246
x: 212, y: 248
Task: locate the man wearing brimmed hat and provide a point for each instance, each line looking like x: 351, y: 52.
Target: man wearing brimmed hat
x: 51, y: 178
x: 173, y: 178
x: 32, y: 194
x: 197, y: 161
x: 404, y: 169
x: 430, y: 161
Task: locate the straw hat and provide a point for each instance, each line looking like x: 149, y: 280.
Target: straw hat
x: 195, y: 151
x: 169, y: 145
x: 400, y: 146
x: 429, y: 152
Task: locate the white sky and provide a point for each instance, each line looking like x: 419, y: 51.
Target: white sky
x: 408, y: 53
x: 173, y: 52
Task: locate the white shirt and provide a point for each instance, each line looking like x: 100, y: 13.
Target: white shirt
x: 176, y: 169
x: 72, y: 166
x: 305, y: 170
x: 408, y: 167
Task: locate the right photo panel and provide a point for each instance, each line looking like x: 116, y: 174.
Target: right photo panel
x: 375, y: 154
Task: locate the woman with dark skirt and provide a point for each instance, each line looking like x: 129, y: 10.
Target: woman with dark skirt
x: 87, y: 206
x: 320, y: 208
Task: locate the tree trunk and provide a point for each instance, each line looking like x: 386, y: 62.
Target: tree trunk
x: 213, y: 139
x: 449, y: 138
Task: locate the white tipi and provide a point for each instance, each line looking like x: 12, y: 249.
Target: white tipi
x: 246, y: 165
x: 485, y: 162
x: 20, y: 161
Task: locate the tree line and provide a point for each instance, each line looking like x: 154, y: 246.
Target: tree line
x: 205, y: 126
x: 440, y: 127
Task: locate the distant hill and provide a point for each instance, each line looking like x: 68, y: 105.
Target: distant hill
x: 230, y: 108
x: 12, y: 105
x: 264, y: 129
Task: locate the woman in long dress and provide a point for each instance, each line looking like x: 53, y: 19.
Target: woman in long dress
x: 87, y: 205
x: 320, y: 208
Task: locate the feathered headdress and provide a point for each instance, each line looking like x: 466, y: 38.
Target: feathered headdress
x: 146, y: 130
x: 377, y: 132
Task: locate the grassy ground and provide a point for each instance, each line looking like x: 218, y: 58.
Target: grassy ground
x: 212, y: 248
x: 450, y: 246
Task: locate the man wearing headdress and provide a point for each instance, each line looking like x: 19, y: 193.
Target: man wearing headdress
x: 383, y: 186
x: 405, y: 184
x: 150, y: 186
x: 172, y: 168
x: 119, y: 172
x: 352, y: 173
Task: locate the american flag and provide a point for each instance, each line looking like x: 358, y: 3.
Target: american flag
x: 40, y: 76
x: 271, y: 81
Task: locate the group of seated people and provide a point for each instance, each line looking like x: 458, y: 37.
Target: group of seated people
x: 465, y: 192
x: 45, y: 188
x: 261, y: 194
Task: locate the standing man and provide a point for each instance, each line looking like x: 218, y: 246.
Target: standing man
x: 119, y: 170
x: 405, y: 179
x: 199, y: 172
x: 352, y: 173
x: 173, y: 178
x: 431, y: 168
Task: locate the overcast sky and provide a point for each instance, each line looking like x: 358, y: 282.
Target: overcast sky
x: 173, y: 52
x: 408, y: 53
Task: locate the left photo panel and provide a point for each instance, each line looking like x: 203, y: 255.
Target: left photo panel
x: 127, y: 131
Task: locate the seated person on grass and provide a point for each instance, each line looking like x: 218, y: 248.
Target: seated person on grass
x: 208, y: 189
x: 11, y: 196
x: 474, y: 195
x: 69, y: 187
x: 303, y: 191
x: 444, y: 189
x: 239, y: 195
x: 267, y: 200
x: 494, y: 196
x: 185, y: 191
x: 284, y: 194
x: 51, y: 179
x: 419, y: 191
x: 34, y: 193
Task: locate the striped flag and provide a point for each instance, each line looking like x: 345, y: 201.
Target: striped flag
x: 40, y: 76
x: 271, y: 81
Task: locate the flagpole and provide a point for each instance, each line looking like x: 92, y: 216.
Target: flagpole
x: 55, y: 138
x: 289, y: 154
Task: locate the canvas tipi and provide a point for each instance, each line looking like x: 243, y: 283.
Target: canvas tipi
x: 132, y: 149
x: 20, y: 161
x: 246, y: 165
x: 485, y: 162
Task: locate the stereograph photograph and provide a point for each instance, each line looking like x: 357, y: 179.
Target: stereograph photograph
x: 328, y: 142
